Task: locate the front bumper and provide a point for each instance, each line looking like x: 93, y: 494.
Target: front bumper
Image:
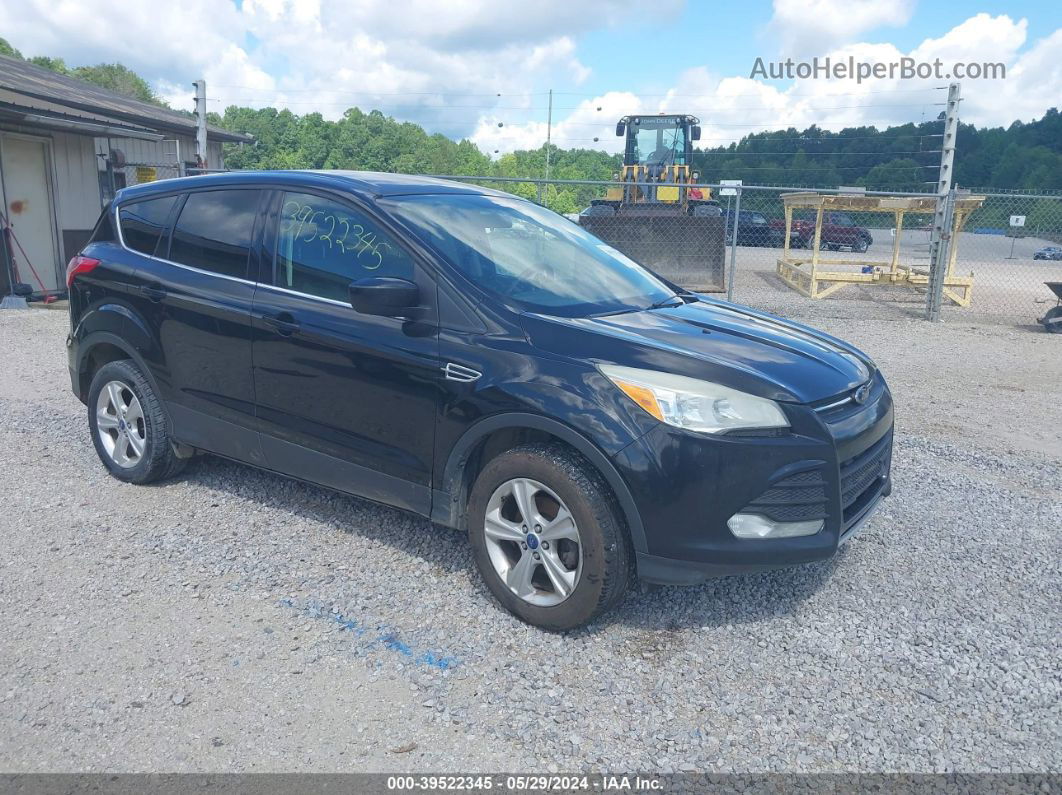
x: 833, y: 465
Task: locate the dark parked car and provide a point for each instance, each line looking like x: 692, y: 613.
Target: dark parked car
x: 1049, y: 252
x: 753, y: 230
x: 478, y: 360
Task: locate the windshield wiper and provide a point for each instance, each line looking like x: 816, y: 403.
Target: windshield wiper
x: 667, y: 303
x: 628, y: 310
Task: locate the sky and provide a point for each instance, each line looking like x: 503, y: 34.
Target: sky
x: 482, y: 69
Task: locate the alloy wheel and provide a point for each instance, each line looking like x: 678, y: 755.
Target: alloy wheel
x: 120, y: 424
x: 533, y: 542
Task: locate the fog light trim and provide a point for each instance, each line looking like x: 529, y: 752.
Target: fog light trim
x: 756, y: 526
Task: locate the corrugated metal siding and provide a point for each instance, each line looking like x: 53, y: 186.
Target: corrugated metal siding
x: 161, y: 153
x: 78, y: 202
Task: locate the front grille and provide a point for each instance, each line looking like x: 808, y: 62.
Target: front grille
x: 797, y: 498
x: 863, y: 476
x: 832, y: 408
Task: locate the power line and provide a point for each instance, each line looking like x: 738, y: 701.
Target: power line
x: 820, y: 154
x: 531, y: 108
x: 786, y: 93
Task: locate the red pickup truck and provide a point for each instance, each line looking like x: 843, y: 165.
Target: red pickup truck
x: 838, y: 231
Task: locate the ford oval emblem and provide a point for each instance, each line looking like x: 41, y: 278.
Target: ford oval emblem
x: 860, y: 395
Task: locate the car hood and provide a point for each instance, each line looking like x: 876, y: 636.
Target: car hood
x: 712, y: 340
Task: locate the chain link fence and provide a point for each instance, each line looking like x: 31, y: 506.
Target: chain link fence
x: 139, y: 173
x: 995, y: 251
x: 1012, y: 246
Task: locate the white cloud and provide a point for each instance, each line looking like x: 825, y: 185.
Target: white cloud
x: 444, y: 65
x: 731, y: 107
x: 808, y: 27
x: 462, y: 67
x: 157, y: 40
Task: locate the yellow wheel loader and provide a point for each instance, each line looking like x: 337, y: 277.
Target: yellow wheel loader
x: 656, y: 213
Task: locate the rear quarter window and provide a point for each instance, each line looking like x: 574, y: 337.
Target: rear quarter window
x: 145, y: 223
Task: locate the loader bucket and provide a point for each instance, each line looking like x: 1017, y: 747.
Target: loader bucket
x: 687, y: 250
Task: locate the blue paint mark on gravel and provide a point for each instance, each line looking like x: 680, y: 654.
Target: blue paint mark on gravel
x: 379, y: 636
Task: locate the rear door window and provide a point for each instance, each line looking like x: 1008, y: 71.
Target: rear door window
x: 213, y: 232
x: 323, y: 245
x: 145, y: 223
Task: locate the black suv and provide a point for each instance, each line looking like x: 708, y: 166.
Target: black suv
x: 481, y: 361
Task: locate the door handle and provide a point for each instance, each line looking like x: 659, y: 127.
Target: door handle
x: 284, y: 324
x: 152, y: 292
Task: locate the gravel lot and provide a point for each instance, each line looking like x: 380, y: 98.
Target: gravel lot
x: 233, y: 620
x: 1004, y: 288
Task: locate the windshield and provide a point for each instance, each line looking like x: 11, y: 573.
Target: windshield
x: 528, y: 256
x: 659, y: 142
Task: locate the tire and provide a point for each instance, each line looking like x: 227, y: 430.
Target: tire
x: 599, y: 565
x: 140, y: 450
x: 861, y: 246
x: 1052, y: 328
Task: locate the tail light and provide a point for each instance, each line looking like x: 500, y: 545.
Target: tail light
x: 78, y: 265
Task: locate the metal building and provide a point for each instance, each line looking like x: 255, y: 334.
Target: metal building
x: 65, y: 147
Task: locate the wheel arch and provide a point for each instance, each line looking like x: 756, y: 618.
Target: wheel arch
x: 464, y: 463
x: 102, y: 347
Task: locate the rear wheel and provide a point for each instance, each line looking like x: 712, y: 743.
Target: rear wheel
x: 129, y: 428
x: 860, y: 245
x: 548, y: 537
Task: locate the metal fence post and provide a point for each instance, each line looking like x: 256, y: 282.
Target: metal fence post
x: 938, y: 265
x: 945, y: 201
x: 733, y: 243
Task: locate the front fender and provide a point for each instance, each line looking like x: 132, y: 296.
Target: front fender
x: 446, y: 509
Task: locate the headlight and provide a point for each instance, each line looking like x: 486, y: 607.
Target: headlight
x: 692, y: 404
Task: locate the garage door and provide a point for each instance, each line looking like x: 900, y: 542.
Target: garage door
x: 28, y: 208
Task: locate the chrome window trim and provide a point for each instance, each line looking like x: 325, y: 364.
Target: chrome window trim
x: 121, y: 241
x: 289, y: 291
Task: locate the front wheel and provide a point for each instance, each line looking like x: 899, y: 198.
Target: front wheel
x: 548, y: 537
x: 860, y: 246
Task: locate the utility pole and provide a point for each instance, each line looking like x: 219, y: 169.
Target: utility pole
x: 940, y: 241
x: 549, y: 130
x: 200, y: 122
x: 549, y: 135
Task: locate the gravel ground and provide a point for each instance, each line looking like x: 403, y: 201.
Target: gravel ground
x: 233, y: 620
x: 1004, y: 288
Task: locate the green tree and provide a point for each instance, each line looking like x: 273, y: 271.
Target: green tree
x: 117, y: 78
x: 902, y: 174
x: 7, y: 49
x: 52, y: 64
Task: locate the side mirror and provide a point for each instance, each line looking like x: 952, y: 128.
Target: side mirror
x: 385, y: 296
x: 621, y: 128
x: 695, y: 133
